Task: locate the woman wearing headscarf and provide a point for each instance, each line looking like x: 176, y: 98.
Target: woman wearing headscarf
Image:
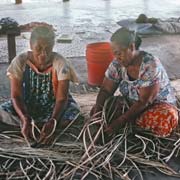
x: 143, y: 84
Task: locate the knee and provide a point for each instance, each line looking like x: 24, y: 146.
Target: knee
x: 161, y: 119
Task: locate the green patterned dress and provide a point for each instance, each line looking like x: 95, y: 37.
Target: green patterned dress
x: 39, y: 98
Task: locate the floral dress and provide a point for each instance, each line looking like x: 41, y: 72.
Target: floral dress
x: 151, y: 72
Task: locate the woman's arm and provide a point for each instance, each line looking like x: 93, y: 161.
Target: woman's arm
x: 17, y: 100
x: 61, y: 99
x: 20, y: 107
x: 107, y: 89
x: 146, y: 96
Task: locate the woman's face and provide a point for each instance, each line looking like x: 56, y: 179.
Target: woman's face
x: 123, y: 55
x: 41, y: 52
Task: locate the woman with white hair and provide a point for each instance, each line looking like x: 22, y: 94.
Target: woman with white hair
x: 40, y: 88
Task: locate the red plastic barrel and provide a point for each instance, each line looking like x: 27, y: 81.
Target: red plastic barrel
x: 98, y: 56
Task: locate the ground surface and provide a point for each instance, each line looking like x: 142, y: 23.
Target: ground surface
x: 85, y: 27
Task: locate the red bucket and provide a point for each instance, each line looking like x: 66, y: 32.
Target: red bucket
x: 99, y: 56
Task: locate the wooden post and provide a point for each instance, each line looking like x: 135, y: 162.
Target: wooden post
x: 11, y: 41
x: 18, y: 1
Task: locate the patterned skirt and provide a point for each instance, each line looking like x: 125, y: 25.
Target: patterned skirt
x: 161, y: 119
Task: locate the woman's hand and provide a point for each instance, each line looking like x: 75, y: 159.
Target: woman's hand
x: 95, y: 112
x: 26, y: 129
x: 118, y: 122
x: 47, y: 131
x: 114, y: 126
x: 108, y: 130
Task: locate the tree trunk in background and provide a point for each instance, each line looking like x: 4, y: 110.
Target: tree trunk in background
x: 18, y: 1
